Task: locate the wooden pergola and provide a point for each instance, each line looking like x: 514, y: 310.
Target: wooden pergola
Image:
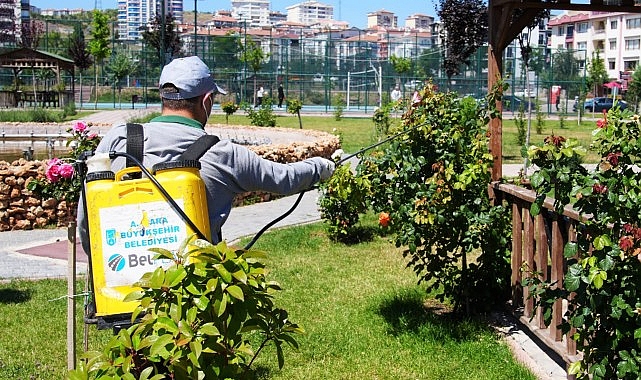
x: 25, y: 58
x: 504, y: 28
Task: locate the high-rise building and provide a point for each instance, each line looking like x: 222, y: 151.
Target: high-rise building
x: 134, y: 14
x: 310, y: 12
x: 13, y: 15
x: 254, y: 12
x: 382, y: 18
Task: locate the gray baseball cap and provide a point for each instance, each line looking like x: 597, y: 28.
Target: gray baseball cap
x: 191, y: 76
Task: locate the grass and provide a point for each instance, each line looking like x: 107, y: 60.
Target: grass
x: 364, y: 315
x: 359, y: 132
x: 356, y: 132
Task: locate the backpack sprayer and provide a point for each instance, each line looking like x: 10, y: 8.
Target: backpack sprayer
x: 127, y: 215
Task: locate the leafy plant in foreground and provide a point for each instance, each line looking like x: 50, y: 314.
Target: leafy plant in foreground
x: 196, y: 316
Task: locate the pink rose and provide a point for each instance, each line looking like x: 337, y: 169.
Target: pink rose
x: 53, y: 170
x: 80, y: 126
x: 92, y: 136
x: 601, y: 123
x: 65, y: 170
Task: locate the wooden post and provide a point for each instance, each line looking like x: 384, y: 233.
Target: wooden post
x: 71, y: 292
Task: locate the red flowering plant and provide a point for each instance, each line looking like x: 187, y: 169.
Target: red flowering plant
x: 603, y: 272
x: 60, y: 179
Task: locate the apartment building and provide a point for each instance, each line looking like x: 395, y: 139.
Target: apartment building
x: 615, y: 35
x: 419, y: 21
x: 310, y: 12
x: 134, y: 14
x: 13, y: 15
x: 383, y: 18
x: 254, y: 12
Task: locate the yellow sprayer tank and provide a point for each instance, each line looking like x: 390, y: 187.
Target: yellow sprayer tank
x: 126, y: 217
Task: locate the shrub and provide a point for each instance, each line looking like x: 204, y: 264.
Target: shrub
x: 294, y: 106
x: 602, y: 283
x: 264, y: 116
x: 229, y: 108
x: 339, y: 106
x: 344, y: 197
x: 432, y: 183
x: 382, y: 120
x: 196, y: 318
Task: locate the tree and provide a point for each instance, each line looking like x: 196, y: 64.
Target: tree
x: 119, y: 67
x: 634, y: 88
x: 429, y: 62
x: 152, y: 34
x: 77, y: 50
x: 597, y: 74
x: 31, y: 34
x: 564, y: 69
x: 254, y: 56
x: 401, y: 65
x: 99, y: 44
x: 465, y: 26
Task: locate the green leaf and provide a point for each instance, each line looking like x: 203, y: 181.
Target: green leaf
x: 174, y: 275
x: 157, y: 278
x: 159, y: 347
x: 209, y: 329
x: 535, y: 209
x: 224, y: 273
x: 135, y: 295
x: 602, y: 241
x: 537, y: 179
x: 166, y: 323
x: 236, y: 292
x: 570, y: 250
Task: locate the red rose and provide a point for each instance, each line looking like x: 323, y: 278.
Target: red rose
x: 384, y: 219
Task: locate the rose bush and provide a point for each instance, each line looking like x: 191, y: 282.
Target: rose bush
x: 603, y: 281
x: 60, y: 180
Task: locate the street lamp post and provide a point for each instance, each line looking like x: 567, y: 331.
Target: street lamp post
x: 195, y: 27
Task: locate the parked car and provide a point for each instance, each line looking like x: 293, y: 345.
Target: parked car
x: 513, y: 103
x: 317, y: 78
x: 600, y: 104
x: 413, y: 84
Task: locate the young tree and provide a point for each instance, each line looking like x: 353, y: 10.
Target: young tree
x: 465, y: 27
x: 597, y: 74
x: 119, y: 67
x: 99, y: 44
x: 634, y: 88
x: 152, y: 34
x: 254, y: 56
x: 401, y: 65
x: 78, y: 52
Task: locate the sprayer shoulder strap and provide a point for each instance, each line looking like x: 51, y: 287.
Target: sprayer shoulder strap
x: 135, y: 145
x: 199, y: 147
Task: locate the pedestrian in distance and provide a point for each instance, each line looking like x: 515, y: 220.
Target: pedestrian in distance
x: 187, y: 91
x: 259, y: 96
x: 281, y: 95
x: 396, y: 94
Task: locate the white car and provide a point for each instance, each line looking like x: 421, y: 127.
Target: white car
x: 413, y: 84
x: 317, y: 78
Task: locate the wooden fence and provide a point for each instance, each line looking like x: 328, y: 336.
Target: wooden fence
x: 537, y: 249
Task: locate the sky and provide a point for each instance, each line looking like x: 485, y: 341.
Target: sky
x: 352, y: 11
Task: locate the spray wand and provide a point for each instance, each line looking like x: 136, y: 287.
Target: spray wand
x: 339, y: 162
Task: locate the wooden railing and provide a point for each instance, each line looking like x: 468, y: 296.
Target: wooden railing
x: 537, y: 250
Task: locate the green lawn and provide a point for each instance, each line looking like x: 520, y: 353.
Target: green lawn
x: 364, y: 315
x: 359, y: 132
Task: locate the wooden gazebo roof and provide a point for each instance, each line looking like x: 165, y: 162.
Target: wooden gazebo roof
x: 25, y: 58
x: 504, y: 28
